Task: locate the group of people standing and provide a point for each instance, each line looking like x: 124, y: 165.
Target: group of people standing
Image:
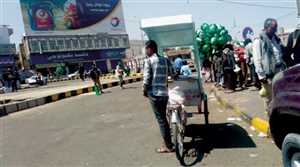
x: 256, y: 63
x: 10, y: 80
x: 95, y: 74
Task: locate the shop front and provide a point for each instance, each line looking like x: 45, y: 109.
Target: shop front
x: 106, y: 59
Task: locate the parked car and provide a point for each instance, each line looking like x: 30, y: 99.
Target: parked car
x: 24, y: 74
x: 74, y: 75
x: 34, y: 80
x: 285, y: 115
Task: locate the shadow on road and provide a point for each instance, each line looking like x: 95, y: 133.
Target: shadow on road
x: 205, y: 138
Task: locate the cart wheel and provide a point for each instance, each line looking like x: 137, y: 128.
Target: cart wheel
x: 191, y: 156
x: 174, y: 132
x: 178, y: 142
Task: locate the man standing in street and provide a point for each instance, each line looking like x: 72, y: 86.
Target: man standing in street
x: 81, y: 72
x: 120, y: 74
x: 267, y: 54
x: 95, y: 76
x: 156, y: 71
x: 250, y: 62
x: 15, y: 80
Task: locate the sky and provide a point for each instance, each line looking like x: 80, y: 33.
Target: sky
x: 233, y: 14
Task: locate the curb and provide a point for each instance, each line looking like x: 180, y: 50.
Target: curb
x: 27, y: 104
x: 259, y: 124
x: 106, y: 76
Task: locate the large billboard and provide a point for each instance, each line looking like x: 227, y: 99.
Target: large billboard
x: 72, y: 17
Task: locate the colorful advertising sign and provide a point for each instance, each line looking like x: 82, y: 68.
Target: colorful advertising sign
x: 69, y: 17
x: 49, y: 58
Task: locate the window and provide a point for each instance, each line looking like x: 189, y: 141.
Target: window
x: 103, y: 43
x: 89, y: 43
x: 116, y: 43
x: 60, y: 44
x: 34, y: 45
x: 68, y: 44
x: 109, y: 43
x: 52, y: 44
x: 44, y: 45
x: 97, y: 43
x: 82, y: 43
x: 75, y: 43
x: 125, y: 42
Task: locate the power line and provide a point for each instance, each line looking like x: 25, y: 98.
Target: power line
x: 256, y: 5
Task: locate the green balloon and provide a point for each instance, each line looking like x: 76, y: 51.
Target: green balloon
x: 199, y: 41
x: 213, y: 28
x: 206, y: 48
x: 207, y: 40
x: 228, y: 38
x: 204, y: 27
x: 198, y: 31
x: 214, y: 41
x: 223, y: 32
x: 222, y: 40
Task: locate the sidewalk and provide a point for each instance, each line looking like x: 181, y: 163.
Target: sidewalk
x: 246, y: 103
x: 41, y: 91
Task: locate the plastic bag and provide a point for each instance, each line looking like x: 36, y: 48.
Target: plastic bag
x: 176, y: 96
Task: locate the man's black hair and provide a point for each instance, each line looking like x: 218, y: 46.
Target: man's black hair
x: 268, y: 23
x: 247, y: 41
x: 151, y: 44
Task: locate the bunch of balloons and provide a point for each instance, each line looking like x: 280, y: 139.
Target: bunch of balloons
x: 212, y: 37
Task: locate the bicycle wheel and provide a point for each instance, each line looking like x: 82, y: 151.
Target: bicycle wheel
x: 178, y: 142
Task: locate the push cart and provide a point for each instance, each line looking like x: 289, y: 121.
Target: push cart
x: 179, y: 31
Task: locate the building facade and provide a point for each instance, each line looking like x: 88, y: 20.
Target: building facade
x: 44, y: 52
x: 8, y: 56
x: 135, y: 55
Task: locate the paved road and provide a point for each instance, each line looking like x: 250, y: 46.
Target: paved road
x: 118, y: 129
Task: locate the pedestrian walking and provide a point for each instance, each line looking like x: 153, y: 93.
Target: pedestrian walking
x: 250, y: 62
x: 120, y: 74
x: 243, y: 73
x: 95, y: 74
x: 15, y: 80
x: 8, y: 77
x: 218, y: 64
x: 155, y: 87
x: 292, y: 52
x: 81, y: 72
x: 228, y: 66
x: 206, y: 70
x: 267, y: 54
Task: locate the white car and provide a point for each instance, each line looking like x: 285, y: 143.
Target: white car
x: 73, y: 75
x: 34, y: 80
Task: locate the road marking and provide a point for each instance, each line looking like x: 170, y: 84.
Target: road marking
x: 54, y: 97
x: 68, y: 94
